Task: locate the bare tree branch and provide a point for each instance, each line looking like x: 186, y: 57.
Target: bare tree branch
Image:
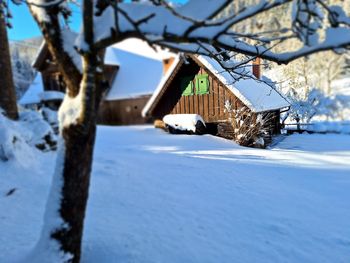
x: 165, y: 25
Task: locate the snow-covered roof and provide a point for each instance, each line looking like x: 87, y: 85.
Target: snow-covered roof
x: 35, y: 93
x: 254, y: 93
x: 137, y: 75
x: 32, y: 95
x: 111, y: 57
x: 140, y: 68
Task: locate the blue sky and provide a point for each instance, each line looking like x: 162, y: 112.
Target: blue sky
x: 25, y: 27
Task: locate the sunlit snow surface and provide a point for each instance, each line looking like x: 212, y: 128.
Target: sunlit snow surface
x: 157, y: 197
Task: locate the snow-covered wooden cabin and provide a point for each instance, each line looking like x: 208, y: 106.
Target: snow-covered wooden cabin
x: 199, y: 85
x: 133, y: 68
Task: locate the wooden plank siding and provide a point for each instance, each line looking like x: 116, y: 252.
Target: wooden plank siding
x: 209, y: 106
x: 122, y: 112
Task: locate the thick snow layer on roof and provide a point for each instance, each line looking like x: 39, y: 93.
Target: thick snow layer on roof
x: 137, y: 76
x: 32, y: 95
x: 51, y: 95
x: 184, y: 122
x: 111, y: 57
x: 257, y: 95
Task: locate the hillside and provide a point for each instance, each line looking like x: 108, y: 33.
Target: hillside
x: 23, y: 54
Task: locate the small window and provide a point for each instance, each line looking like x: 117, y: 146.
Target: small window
x: 202, y: 84
x: 187, y: 86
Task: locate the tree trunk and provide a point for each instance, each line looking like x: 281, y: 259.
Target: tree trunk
x: 65, y: 210
x: 76, y: 179
x: 61, y: 236
x: 7, y: 89
x: 79, y: 141
x: 62, y: 232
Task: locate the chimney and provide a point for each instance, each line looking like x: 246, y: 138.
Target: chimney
x: 167, y: 63
x: 256, y: 68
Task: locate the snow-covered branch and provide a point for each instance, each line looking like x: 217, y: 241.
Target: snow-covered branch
x: 46, y: 13
x: 189, y: 27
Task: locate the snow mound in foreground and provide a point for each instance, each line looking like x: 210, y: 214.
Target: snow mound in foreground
x: 18, y: 138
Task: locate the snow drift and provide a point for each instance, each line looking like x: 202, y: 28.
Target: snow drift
x: 18, y: 138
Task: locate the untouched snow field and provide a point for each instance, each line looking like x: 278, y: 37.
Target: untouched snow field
x: 157, y: 197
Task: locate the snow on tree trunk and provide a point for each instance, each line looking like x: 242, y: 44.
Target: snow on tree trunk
x: 7, y: 90
x: 61, y: 236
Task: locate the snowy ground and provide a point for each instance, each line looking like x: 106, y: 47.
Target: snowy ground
x: 157, y: 197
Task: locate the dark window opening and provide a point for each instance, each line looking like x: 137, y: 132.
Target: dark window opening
x: 186, y: 85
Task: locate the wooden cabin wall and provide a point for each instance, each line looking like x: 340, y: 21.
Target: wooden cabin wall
x: 122, y: 112
x: 209, y: 106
